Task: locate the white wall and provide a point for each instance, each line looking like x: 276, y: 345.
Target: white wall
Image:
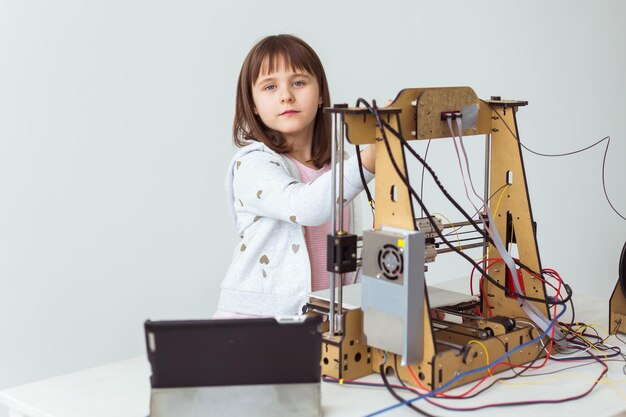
x: 115, y: 121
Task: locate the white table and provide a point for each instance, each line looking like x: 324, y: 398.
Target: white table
x: 119, y: 389
x: 122, y: 389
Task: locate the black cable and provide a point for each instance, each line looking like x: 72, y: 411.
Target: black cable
x: 606, y: 150
x: 459, y: 233
x: 399, y: 398
x: 596, y: 335
x: 466, y: 239
x: 423, y: 168
x: 556, y: 155
x: 571, y: 302
x: 395, y: 367
x: 616, y: 352
x: 384, y: 125
x: 624, y: 342
x: 370, y: 200
x: 556, y: 371
x: 615, y: 333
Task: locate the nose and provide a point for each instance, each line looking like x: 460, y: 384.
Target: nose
x: 286, y: 97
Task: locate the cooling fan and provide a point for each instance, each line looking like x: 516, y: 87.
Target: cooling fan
x: 390, y: 262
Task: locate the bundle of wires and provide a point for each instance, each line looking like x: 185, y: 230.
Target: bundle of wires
x: 582, y: 340
x: 530, y: 309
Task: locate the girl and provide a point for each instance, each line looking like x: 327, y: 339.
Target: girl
x: 278, y: 184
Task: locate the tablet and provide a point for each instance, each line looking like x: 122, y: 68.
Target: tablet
x: 203, y: 353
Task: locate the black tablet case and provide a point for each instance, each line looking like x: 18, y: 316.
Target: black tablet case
x: 201, y: 353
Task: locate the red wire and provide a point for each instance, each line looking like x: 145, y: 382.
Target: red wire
x: 548, y: 271
x: 485, y: 297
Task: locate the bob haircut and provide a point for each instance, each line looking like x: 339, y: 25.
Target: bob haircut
x: 266, y: 56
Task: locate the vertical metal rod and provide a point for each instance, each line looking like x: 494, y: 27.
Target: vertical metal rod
x: 487, y: 177
x: 340, y: 150
x: 333, y: 223
x: 341, y: 225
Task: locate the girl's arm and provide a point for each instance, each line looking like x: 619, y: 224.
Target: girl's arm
x: 368, y: 158
x: 263, y: 187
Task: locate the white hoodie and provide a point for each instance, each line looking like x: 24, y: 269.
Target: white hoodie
x: 270, y: 272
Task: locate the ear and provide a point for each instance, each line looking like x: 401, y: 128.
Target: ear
x: 255, y: 111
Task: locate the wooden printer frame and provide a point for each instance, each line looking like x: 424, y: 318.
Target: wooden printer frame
x: 417, y: 114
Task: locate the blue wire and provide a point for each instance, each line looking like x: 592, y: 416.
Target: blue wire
x: 472, y: 371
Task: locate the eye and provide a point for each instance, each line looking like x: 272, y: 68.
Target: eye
x: 269, y: 87
x: 298, y: 83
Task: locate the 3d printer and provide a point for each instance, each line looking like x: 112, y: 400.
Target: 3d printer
x: 392, y: 317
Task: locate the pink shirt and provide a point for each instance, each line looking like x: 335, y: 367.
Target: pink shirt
x: 315, y: 236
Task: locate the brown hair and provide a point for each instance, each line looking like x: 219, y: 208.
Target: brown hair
x: 297, y: 56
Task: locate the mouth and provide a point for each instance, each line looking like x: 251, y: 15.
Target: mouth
x: 289, y: 112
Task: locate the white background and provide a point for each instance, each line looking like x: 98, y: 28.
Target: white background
x: 115, y: 134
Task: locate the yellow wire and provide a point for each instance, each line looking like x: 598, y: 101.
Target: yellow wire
x: 500, y: 199
x: 610, y: 384
x: 455, y: 229
x: 496, y: 212
x: 458, y: 239
x: 591, y: 345
x: 592, y: 325
x: 561, y: 376
x: 606, y: 381
x: 481, y: 344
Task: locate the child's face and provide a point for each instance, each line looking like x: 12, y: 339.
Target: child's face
x: 287, y: 101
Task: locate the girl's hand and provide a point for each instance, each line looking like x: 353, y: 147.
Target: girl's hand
x: 368, y: 158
